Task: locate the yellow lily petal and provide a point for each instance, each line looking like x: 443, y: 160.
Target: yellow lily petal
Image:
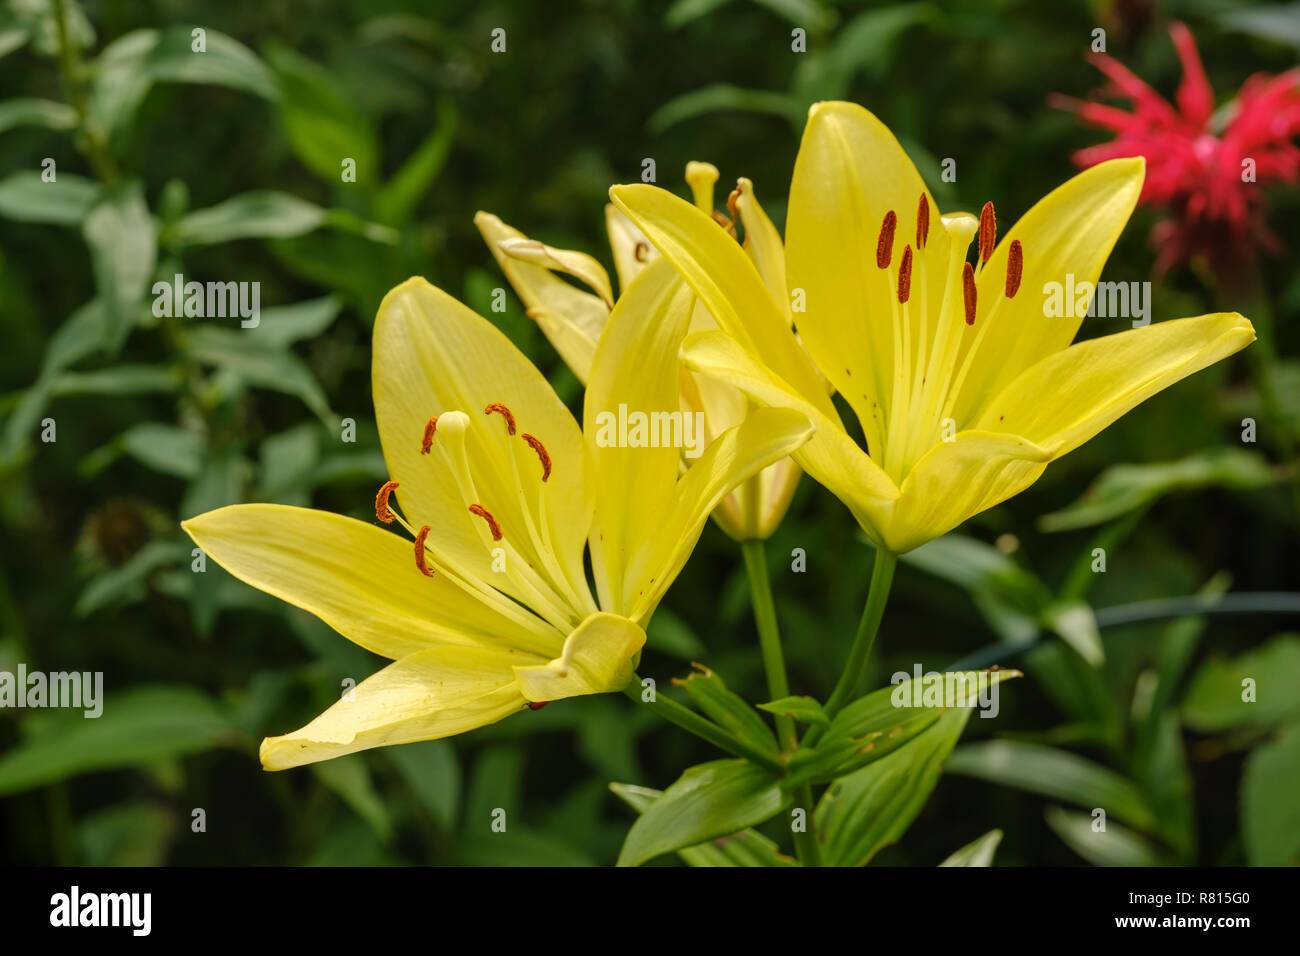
x: 636, y: 373
x: 830, y: 456
x: 600, y: 655
x: 569, y: 318
x: 632, y: 250
x: 850, y: 173
x: 1066, y: 237
x: 430, y: 694
x: 577, y: 264
x: 432, y: 355
x: 359, y: 579
x: 766, y: 436
x: 720, y: 272
x: 957, y: 479
x: 1068, y: 397
x: 762, y: 243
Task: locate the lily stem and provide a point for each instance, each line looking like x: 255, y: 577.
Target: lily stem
x: 690, y: 721
x: 882, y: 578
x: 769, y: 635
x: 778, y: 684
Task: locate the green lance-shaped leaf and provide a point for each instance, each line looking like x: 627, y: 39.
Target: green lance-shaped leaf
x: 123, y: 248
x: 976, y: 853
x: 727, y: 709
x: 708, y: 801
x: 65, y: 201
x: 1270, y: 812
x: 803, y: 709
x: 1122, y: 489
x: 139, y: 726
x: 1254, y: 689
x: 873, y: 807
x: 1116, y: 845
x: 1055, y: 773
x: 743, y: 848
x: 129, y: 66
x: 49, y: 114
x: 875, y: 726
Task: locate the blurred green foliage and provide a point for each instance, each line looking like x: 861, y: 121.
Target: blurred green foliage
x: 229, y: 166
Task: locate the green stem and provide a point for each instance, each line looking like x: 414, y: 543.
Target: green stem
x: 778, y: 684
x: 769, y: 635
x: 882, y: 577
x: 689, y: 720
x: 93, y: 142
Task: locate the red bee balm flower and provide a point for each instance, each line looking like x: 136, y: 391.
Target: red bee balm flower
x: 1209, y: 183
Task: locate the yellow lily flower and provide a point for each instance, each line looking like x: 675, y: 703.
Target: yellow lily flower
x: 964, y: 388
x: 502, y: 492
x: 572, y: 319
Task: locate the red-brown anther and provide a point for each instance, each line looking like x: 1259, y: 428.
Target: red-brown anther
x: 419, y: 552
x: 885, y: 244
x: 922, y: 222
x: 536, y: 444
x: 487, y: 516
x: 988, y: 231
x: 503, y: 411
x: 381, y: 503
x: 1015, y: 267
x: 905, y: 276
x: 430, y: 428
x: 968, y: 291
x: 537, y: 704
x: 724, y: 222
x: 641, y: 251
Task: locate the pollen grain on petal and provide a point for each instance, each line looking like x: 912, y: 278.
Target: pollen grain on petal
x: 381, y: 502
x: 922, y: 222
x: 1015, y: 267
x: 430, y: 429
x: 419, y: 552
x: 641, y: 251
x: 487, y: 516
x: 536, y: 444
x: 968, y: 292
x: 537, y: 704
x: 885, y: 244
x: 503, y: 411
x: 905, y: 276
x: 988, y: 231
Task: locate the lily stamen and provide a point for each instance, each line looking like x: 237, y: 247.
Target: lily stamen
x: 381, y: 502
x: 968, y: 292
x: 885, y: 244
x: 486, y: 515
x: 1015, y: 266
x: 536, y: 445
x: 430, y: 429
x: 505, y: 412
x: 922, y: 222
x: 905, y: 276
x: 988, y: 232
x: 419, y: 552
